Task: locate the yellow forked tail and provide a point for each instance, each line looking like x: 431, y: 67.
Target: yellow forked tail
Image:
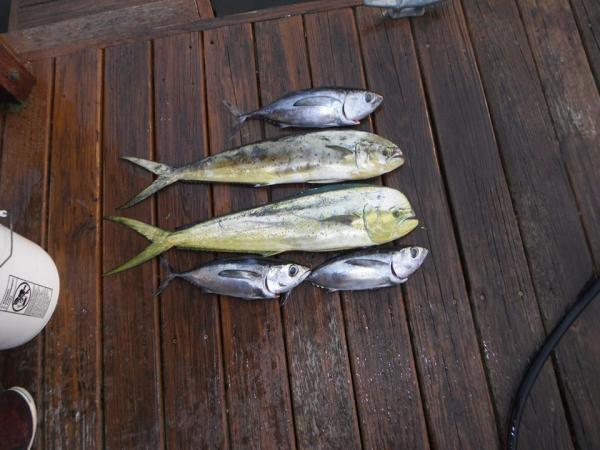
x: 159, y: 242
x: 166, y: 176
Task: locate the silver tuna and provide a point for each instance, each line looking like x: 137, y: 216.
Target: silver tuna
x: 314, y: 108
x: 366, y: 270
x: 248, y: 278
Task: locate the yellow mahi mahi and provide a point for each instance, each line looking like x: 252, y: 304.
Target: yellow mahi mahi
x: 324, y: 219
x: 321, y: 157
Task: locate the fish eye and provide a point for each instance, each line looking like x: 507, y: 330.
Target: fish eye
x: 413, y: 252
x: 293, y: 271
x: 396, y: 214
x: 368, y: 97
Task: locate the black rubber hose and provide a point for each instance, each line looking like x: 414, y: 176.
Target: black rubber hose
x: 542, y: 356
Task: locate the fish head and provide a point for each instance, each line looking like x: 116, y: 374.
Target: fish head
x: 390, y: 221
x: 282, y: 278
x: 406, y: 261
x: 359, y: 104
x: 379, y: 153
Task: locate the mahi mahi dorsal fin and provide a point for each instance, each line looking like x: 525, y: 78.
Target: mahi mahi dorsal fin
x: 240, y: 274
x: 316, y: 101
x: 365, y: 262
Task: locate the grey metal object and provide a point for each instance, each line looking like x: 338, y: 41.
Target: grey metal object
x: 4, y: 215
x: 396, y: 9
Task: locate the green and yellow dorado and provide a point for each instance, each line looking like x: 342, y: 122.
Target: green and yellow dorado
x: 320, y: 157
x: 319, y: 220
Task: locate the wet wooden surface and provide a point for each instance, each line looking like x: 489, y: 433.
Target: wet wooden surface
x: 497, y: 110
x: 34, y: 13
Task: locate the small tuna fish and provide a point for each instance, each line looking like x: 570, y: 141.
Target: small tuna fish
x: 396, y: 9
x: 330, y: 218
x: 314, y: 108
x: 321, y: 157
x: 247, y: 278
x: 367, y: 270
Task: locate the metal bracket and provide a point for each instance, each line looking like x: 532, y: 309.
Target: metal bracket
x: 4, y: 215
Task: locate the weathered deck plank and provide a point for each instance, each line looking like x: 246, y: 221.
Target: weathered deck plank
x: 574, y: 104
x: 24, y: 192
x: 190, y: 320
x: 72, y: 345
x: 453, y: 384
x: 376, y: 324
x: 132, y: 378
x: 158, y: 19
x: 322, y: 394
x: 258, y: 397
x: 540, y: 188
x: 587, y: 14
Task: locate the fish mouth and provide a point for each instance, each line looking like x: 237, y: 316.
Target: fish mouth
x: 378, y: 100
x: 302, y: 277
x: 396, y: 154
x: 408, y: 224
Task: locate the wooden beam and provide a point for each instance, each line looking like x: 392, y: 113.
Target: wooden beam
x: 16, y: 81
x: 154, y: 20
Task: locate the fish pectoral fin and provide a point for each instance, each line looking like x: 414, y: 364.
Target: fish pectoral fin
x: 365, y: 262
x: 283, y: 125
x: 343, y: 220
x: 340, y: 147
x: 316, y: 101
x: 284, y: 298
x: 331, y: 291
x: 272, y: 253
x: 240, y: 274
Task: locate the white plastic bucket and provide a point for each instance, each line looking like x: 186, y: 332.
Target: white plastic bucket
x: 29, y: 288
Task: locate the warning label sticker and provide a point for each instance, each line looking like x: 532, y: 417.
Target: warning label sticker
x: 25, y: 298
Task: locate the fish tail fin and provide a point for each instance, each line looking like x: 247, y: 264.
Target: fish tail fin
x: 239, y: 117
x: 170, y: 275
x: 166, y: 177
x: 159, y: 239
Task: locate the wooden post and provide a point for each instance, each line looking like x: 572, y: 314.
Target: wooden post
x: 16, y: 81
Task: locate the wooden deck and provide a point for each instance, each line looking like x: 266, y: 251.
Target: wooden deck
x: 497, y: 109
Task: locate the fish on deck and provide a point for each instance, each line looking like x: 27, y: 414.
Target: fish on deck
x: 368, y: 269
x: 321, y: 157
x: 247, y: 278
x: 323, y: 107
x: 330, y: 218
